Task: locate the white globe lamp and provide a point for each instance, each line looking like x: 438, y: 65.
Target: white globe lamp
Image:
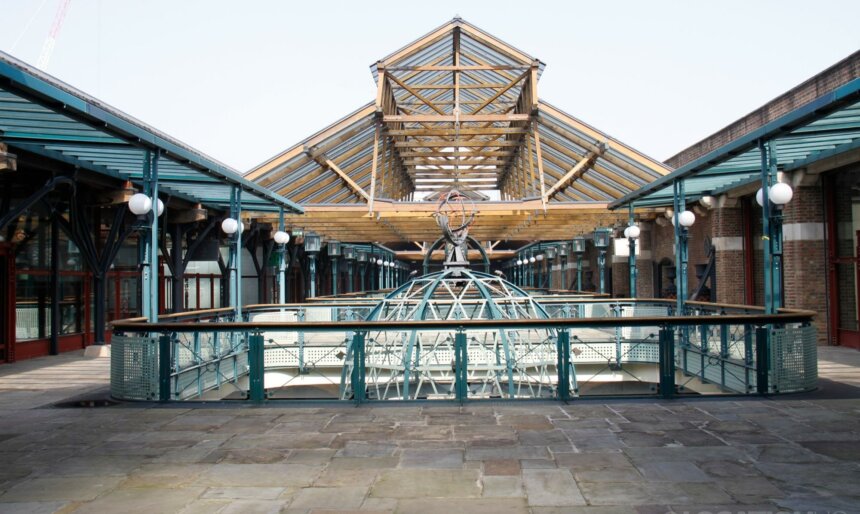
x: 140, y: 204
x: 281, y: 237
x: 631, y: 232
x: 780, y: 193
x: 686, y: 219
x: 229, y: 226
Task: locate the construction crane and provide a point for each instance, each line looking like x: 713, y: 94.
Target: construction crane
x: 48, y: 47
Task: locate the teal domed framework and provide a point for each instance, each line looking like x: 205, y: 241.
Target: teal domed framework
x: 414, y: 364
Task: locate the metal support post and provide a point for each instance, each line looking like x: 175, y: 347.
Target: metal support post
x: 358, y: 367
x: 235, y: 260
x: 256, y: 365
x: 538, y: 273
x: 461, y: 365
x: 312, y: 273
x: 601, y: 270
x: 334, y: 276
x: 667, y: 362
x: 563, y: 365
x: 282, y: 263
x: 532, y: 269
x: 149, y: 242
x: 762, y: 359
x: 767, y: 174
x: 563, y: 263
x: 349, y: 276
x: 680, y: 249
x: 631, y: 258
x: 579, y: 272
x: 164, y: 367
x: 55, y: 286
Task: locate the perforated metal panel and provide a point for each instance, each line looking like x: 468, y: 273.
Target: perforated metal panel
x: 794, y: 359
x: 274, y: 336
x: 134, y: 368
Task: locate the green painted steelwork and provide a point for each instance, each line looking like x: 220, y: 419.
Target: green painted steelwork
x: 822, y: 128
x: 740, y: 364
x: 43, y: 115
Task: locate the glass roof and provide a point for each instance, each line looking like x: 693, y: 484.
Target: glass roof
x: 42, y: 115
x: 824, y: 127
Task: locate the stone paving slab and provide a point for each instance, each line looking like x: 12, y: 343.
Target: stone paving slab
x: 793, y: 453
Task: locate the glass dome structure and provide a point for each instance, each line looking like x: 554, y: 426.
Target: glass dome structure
x: 418, y: 364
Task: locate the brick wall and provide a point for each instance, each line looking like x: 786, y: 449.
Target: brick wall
x: 663, y: 250
x: 805, y: 257
x: 727, y: 230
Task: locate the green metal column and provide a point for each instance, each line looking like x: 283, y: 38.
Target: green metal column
x: 631, y: 259
x: 312, y: 273
x: 538, y: 272
x: 680, y: 204
x: 358, y: 367
x: 164, y: 367
x: 563, y: 261
x: 334, y: 276
x: 762, y: 359
x: 772, y: 230
x: 461, y: 366
x: 153, y: 241
x: 601, y: 269
x: 235, y: 259
x: 563, y: 365
x: 765, y: 226
x: 667, y: 362
x: 532, y: 269
x: 282, y: 263
x: 579, y: 272
x: 149, y: 239
x: 257, y: 369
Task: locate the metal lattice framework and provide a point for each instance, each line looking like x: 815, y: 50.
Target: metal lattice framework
x: 418, y: 364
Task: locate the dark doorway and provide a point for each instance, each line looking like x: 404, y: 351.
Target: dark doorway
x: 7, y: 303
x: 843, y: 255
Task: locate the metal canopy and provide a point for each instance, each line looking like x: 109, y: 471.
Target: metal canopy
x: 827, y: 126
x: 42, y: 115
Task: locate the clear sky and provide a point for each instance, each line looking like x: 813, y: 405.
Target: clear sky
x: 243, y: 80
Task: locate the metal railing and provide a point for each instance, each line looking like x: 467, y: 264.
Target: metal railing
x: 327, y: 351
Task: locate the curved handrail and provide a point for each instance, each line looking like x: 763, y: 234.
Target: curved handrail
x: 786, y: 316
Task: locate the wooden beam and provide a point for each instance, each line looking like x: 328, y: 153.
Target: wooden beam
x: 475, y: 67
x: 380, y: 86
x: 334, y: 167
x: 374, y: 167
x: 416, y: 94
x: 487, y: 153
x: 464, y: 131
x: 446, y: 144
x: 540, y: 164
x: 534, y: 100
x: 466, y: 118
x: 500, y: 92
x: 574, y: 173
x: 482, y: 85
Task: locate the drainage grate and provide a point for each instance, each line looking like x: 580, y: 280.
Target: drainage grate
x: 86, y: 404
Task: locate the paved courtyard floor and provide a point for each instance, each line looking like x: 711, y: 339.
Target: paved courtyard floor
x: 793, y: 453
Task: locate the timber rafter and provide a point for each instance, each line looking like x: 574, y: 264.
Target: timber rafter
x: 456, y: 108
